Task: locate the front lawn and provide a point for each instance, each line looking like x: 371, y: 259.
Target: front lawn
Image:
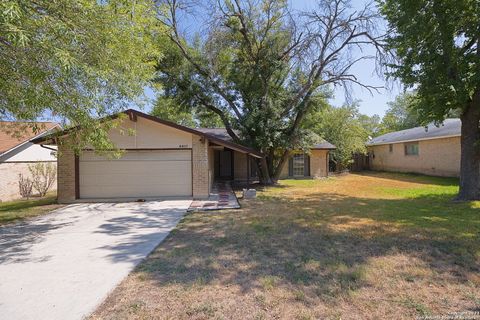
x: 369, y: 246
x: 11, y: 211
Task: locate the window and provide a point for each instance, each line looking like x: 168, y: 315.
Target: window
x: 411, y: 149
x: 298, y: 168
x: 390, y: 148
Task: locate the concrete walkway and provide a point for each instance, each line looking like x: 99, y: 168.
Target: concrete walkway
x: 62, y: 265
x: 221, y: 197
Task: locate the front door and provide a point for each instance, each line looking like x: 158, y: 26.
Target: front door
x: 224, y: 163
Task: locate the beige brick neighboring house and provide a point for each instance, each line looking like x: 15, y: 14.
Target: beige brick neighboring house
x: 17, y: 152
x: 163, y: 159
x: 427, y: 150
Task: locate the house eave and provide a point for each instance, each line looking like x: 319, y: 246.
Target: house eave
x: 412, y: 140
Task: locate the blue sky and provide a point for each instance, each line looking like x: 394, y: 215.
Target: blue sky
x: 369, y: 103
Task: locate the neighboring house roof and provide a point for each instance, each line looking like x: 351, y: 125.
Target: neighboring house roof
x: 449, y: 128
x: 13, y: 134
x: 221, y: 133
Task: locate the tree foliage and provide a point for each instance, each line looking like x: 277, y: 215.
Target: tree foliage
x: 257, y: 64
x: 75, y: 60
x: 401, y: 113
x: 345, y: 128
x: 437, y: 49
x: 168, y: 108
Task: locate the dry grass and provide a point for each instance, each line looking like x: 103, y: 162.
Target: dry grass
x: 355, y: 247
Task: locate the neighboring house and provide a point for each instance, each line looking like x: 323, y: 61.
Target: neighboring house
x: 17, y: 152
x: 429, y: 150
x: 164, y: 159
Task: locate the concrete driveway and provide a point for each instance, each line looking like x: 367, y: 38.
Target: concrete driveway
x: 62, y: 265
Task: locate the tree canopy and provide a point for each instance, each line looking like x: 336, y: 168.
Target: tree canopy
x: 345, y: 127
x: 437, y: 49
x: 401, y: 113
x: 75, y: 60
x: 257, y: 65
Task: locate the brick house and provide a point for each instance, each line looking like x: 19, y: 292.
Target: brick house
x: 429, y: 150
x: 17, y: 152
x: 164, y: 159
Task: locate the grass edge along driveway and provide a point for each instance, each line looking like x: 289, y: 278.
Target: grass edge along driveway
x: 16, y: 210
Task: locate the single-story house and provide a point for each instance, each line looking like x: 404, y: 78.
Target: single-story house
x: 17, y: 152
x: 164, y: 159
x: 429, y: 150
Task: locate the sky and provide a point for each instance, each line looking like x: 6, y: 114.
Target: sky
x: 369, y: 103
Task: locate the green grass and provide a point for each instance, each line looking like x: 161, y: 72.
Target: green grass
x: 363, y: 246
x: 11, y: 211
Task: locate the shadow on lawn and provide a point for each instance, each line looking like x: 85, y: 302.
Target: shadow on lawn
x: 322, y: 242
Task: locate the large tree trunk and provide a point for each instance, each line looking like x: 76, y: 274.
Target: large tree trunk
x: 264, y: 172
x: 280, y: 165
x: 470, y: 155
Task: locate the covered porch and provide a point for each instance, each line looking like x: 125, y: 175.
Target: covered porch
x: 235, y: 167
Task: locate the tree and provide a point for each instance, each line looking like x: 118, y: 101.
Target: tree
x: 371, y: 124
x: 43, y: 175
x: 437, y: 44
x: 257, y: 64
x: 75, y: 60
x: 169, y: 108
x: 401, y: 113
x: 344, y: 128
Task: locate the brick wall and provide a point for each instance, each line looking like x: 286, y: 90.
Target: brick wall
x: 437, y: 157
x: 9, y: 172
x: 66, y: 175
x: 318, y: 165
x: 200, y: 168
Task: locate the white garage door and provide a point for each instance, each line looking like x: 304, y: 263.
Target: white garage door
x: 139, y: 174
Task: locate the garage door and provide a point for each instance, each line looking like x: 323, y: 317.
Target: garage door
x: 138, y: 174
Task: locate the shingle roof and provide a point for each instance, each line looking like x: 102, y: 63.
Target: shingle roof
x: 14, y: 133
x: 449, y: 128
x: 220, y: 133
x: 324, y: 145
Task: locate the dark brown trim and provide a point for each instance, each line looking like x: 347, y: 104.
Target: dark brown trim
x: 323, y: 148
x: 77, y: 177
x: 135, y: 113
x: 248, y: 170
x: 132, y: 116
x: 191, y: 173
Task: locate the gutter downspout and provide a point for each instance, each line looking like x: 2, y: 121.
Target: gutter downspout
x: 45, y: 147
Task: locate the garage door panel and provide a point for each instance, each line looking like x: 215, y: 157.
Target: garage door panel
x: 163, y: 155
x: 136, y: 174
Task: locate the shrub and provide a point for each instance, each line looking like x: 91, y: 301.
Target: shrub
x: 43, y: 176
x: 25, y: 186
